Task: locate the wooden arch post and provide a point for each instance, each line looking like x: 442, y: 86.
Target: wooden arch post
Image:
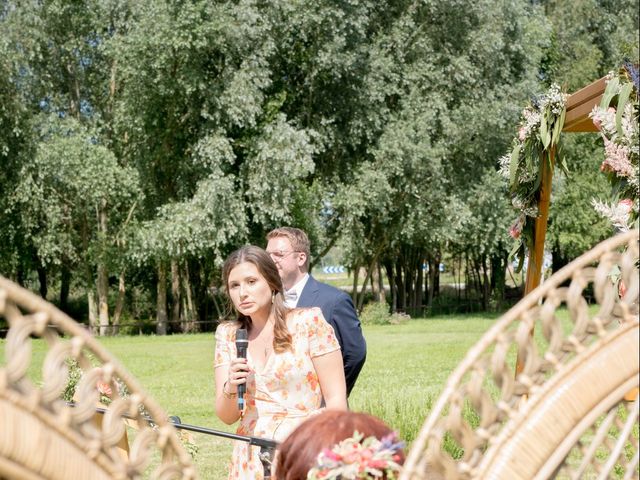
x: 578, y: 105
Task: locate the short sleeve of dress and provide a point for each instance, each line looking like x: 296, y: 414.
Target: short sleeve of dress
x: 225, y: 344
x: 322, y: 338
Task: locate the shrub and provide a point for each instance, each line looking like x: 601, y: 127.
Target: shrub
x: 377, y: 313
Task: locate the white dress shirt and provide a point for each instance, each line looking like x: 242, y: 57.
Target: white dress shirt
x: 292, y: 295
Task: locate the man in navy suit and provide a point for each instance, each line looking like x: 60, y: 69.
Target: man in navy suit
x: 289, y: 249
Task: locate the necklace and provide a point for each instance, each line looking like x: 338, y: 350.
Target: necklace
x: 263, y: 342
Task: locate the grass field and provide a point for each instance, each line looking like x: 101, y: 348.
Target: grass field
x: 407, y: 367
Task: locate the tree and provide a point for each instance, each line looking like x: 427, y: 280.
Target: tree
x: 447, y: 118
x: 72, y: 196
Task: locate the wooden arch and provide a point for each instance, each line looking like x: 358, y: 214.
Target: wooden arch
x: 579, y: 105
x: 577, y: 119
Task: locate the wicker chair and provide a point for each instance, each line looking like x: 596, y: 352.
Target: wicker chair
x: 573, y: 410
x: 45, y: 437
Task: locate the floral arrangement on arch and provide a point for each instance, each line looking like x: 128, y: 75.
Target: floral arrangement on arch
x: 617, y: 120
x: 538, y: 133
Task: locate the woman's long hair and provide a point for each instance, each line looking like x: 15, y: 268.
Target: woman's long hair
x: 262, y: 261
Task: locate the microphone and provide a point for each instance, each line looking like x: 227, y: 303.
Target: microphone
x: 242, y: 341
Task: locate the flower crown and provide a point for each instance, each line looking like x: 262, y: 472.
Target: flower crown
x: 355, y: 458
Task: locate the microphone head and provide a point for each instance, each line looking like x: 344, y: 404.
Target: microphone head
x: 242, y: 335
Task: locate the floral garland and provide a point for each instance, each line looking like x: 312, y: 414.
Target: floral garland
x: 538, y: 133
x: 617, y: 120
x: 355, y: 458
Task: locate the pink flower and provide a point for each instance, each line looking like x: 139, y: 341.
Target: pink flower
x: 622, y: 289
x: 516, y: 229
x: 104, y: 388
x: 522, y: 134
x: 378, y: 464
x: 330, y: 454
x: 626, y: 205
x: 617, y: 159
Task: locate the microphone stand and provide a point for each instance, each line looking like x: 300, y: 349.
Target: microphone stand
x: 267, y: 446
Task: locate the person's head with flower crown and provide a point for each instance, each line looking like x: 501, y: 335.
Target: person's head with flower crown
x: 340, y: 445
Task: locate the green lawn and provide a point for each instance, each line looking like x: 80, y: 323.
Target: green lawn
x: 407, y: 367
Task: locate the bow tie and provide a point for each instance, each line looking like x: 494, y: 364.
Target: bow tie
x: 291, y: 296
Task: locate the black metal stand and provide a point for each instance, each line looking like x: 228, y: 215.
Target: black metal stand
x: 267, y: 446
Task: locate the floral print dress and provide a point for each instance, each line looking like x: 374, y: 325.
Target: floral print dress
x: 284, y: 393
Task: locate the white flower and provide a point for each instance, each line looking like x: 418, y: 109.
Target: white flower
x: 617, y: 214
x: 504, y: 162
x: 629, y: 125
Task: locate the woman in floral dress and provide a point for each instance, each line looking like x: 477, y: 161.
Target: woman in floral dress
x: 293, y: 360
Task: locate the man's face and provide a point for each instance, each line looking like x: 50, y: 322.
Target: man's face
x: 289, y: 262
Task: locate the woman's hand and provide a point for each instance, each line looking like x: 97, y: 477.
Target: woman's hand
x: 238, y: 373
x: 227, y: 380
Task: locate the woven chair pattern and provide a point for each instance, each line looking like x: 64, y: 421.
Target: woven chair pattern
x: 565, y: 414
x: 43, y: 436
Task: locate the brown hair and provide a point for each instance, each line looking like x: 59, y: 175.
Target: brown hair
x: 261, y: 259
x: 299, y: 452
x: 299, y: 240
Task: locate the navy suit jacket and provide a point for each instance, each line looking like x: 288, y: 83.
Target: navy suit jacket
x: 339, y: 311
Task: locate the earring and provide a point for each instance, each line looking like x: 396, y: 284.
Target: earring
x: 273, y: 296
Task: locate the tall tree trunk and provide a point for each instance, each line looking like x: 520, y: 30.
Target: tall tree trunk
x: 93, y: 310
x: 409, y: 278
x: 354, y: 293
x: 20, y: 275
x: 103, y: 291
x: 499, y: 278
x: 363, y: 293
x: 161, y: 300
x: 65, y: 283
x: 175, y: 296
x: 476, y: 275
x: 433, y: 268
x: 42, y: 279
x: 388, y: 266
x: 485, y: 284
x: 190, y: 313
x: 459, y: 282
x: 382, y: 296
x: 419, y: 280
x: 92, y: 305
x: 119, y: 304
x: 467, y: 276
x: 402, y: 293
x: 436, y: 280
x: 103, y: 275
x: 373, y: 282
x: 427, y: 300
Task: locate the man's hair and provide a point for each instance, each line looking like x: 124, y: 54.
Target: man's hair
x: 298, y: 239
x: 299, y: 452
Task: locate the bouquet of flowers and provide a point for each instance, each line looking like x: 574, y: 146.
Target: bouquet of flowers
x: 617, y: 120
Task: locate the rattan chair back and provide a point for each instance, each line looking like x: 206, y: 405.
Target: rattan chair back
x: 573, y: 410
x: 43, y: 436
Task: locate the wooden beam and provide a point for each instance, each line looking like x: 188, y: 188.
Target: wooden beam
x: 536, y: 254
x: 580, y: 104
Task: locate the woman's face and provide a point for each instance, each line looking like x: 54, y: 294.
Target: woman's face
x: 248, y: 289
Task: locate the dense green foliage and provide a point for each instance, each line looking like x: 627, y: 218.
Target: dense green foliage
x: 141, y: 142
